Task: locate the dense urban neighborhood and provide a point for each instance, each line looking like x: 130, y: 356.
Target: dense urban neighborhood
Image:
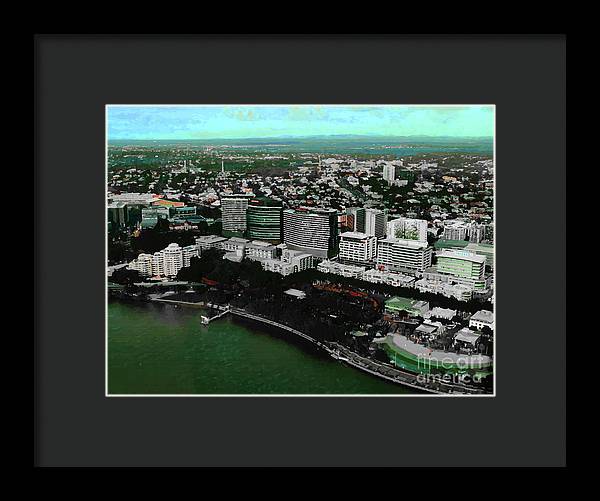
x: 385, y: 262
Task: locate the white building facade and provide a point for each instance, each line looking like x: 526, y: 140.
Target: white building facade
x: 394, y: 254
x: 357, y: 247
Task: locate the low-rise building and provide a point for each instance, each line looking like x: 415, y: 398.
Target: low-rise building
x: 290, y: 262
x: 258, y: 250
x: 443, y: 313
x: 298, y: 294
x: 344, y: 270
x: 429, y: 330
x: 445, y: 288
x: 466, y: 338
x: 397, y: 304
x: 481, y: 319
x: 205, y: 242
x: 388, y: 278
x: 235, y: 244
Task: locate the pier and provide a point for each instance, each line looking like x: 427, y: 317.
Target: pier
x: 223, y: 310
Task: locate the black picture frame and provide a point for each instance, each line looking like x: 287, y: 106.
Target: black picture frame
x: 75, y: 76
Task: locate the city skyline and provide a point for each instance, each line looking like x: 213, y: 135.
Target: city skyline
x: 196, y: 122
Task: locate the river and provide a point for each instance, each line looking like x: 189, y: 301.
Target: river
x: 160, y: 349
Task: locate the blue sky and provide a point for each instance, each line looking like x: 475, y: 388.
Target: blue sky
x: 236, y: 122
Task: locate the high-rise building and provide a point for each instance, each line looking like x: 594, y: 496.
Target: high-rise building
x: 476, y: 232
x: 264, y: 218
x: 357, y: 248
x: 408, y: 229
x: 158, y: 267
x: 455, y: 229
x: 151, y: 215
x: 166, y: 262
x: 189, y: 251
x: 313, y: 231
x: 233, y: 212
x: 356, y: 220
x: 143, y: 264
x: 403, y: 255
x: 172, y: 260
x: 117, y: 213
x: 389, y: 173
x: 375, y: 222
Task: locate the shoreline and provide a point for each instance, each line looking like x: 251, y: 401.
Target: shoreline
x: 340, y: 353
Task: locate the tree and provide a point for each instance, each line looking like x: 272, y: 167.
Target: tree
x: 123, y: 276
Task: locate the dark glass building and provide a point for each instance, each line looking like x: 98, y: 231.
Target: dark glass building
x: 264, y: 220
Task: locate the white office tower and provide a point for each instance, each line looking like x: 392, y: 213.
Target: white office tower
x: 403, y: 255
x: 375, y: 222
x: 408, y: 229
x: 356, y: 248
x: 389, y: 173
x: 143, y: 264
x: 313, y: 231
x: 233, y: 212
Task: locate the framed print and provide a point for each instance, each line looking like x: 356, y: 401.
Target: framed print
x: 270, y: 250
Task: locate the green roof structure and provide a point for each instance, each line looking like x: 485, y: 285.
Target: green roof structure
x: 397, y: 304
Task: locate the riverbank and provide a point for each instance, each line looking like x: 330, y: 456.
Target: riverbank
x: 380, y: 370
x: 352, y: 359
x: 157, y: 349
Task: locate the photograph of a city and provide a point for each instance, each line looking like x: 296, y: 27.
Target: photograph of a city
x: 300, y: 250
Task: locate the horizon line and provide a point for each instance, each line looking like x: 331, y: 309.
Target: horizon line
x: 293, y: 136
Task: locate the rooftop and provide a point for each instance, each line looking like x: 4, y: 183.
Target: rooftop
x: 400, y: 303
x: 415, y: 244
x: 209, y: 239
x: 264, y: 202
x: 415, y: 349
x: 296, y: 293
x: 426, y: 328
x: 483, y: 316
x: 442, y: 312
x: 462, y: 255
x: 355, y: 235
x: 260, y: 243
x: 467, y: 336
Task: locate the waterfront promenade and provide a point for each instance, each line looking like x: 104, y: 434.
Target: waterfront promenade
x: 347, y: 356
x: 368, y: 365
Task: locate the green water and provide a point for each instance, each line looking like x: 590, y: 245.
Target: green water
x: 159, y: 349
